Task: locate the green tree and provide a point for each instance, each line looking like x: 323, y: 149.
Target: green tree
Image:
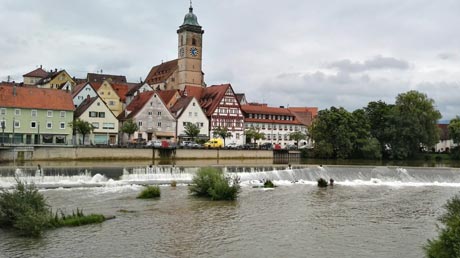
x: 297, y: 136
x: 129, y: 127
x: 254, y: 134
x: 379, y: 115
x: 192, y: 130
x: 454, y: 129
x: 82, y: 127
x: 222, y: 132
x: 412, y: 125
x: 447, y: 244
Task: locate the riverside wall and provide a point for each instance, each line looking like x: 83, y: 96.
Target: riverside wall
x: 79, y: 153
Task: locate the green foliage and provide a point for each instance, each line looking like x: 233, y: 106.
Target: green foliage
x: 297, y: 136
x: 192, y: 130
x: 173, y: 183
x: 222, y: 132
x: 211, y: 182
x: 269, y: 184
x: 60, y: 219
x: 129, y: 127
x: 454, y: 129
x: 82, y: 127
x: 254, y: 134
x: 150, y: 192
x: 322, y: 182
x: 370, y: 148
x: 455, y: 153
x: 448, y: 242
x: 24, y: 209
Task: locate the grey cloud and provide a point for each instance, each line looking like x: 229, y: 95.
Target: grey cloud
x: 447, y: 55
x: 376, y: 63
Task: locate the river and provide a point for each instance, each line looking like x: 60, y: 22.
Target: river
x: 372, y: 211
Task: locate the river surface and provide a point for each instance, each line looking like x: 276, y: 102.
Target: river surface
x: 370, y: 212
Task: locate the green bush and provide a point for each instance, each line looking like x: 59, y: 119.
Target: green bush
x: 322, y: 182
x: 269, y: 184
x: 24, y: 209
x: 211, y: 182
x: 448, y: 242
x: 173, y: 183
x: 150, y: 192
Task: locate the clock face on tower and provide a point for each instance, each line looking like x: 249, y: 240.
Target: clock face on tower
x: 193, y: 51
x: 182, y: 52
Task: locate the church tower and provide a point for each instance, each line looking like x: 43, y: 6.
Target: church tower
x: 190, y: 52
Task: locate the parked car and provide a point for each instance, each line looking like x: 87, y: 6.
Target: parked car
x: 154, y: 143
x: 138, y: 141
x: 266, y: 146
x: 250, y: 146
x: 214, y: 143
x: 193, y: 145
x: 231, y: 145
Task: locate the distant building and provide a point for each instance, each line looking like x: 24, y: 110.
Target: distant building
x: 100, y: 78
x: 30, y: 115
x: 445, y: 143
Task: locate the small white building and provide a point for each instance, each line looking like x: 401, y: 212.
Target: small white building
x: 82, y: 92
x: 187, y: 110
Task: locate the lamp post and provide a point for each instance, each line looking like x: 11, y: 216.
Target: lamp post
x: 3, y: 131
x: 38, y: 132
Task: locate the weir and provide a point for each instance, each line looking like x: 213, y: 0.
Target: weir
x: 249, y: 175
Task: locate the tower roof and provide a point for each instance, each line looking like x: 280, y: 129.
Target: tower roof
x: 190, y: 18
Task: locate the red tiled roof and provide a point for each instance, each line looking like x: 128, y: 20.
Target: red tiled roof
x: 212, y: 96
x: 263, y: 109
x: 96, y: 85
x: 37, y: 73
x: 270, y: 121
x: 136, y: 104
x: 78, y: 88
x: 312, y: 110
x: 167, y: 95
x: 444, y: 132
x: 100, y: 78
x: 35, y: 98
x: 84, y: 106
x: 161, y: 72
x: 180, y: 105
x: 121, y: 90
x: 193, y: 91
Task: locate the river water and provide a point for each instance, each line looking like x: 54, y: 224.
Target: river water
x: 370, y: 212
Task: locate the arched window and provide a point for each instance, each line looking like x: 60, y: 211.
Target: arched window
x: 194, y: 41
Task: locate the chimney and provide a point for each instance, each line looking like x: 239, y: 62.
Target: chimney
x: 40, y: 66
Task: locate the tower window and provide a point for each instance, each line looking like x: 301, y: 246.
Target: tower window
x: 193, y: 41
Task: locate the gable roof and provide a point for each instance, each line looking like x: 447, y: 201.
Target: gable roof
x: 79, y: 88
x: 84, y: 106
x: 133, y: 87
x: 35, y: 98
x: 136, y: 105
x: 51, y: 75
x: 180, y: 105
x: 167, y: 95
x: 161, y: 72
x: 100, y: 78
x: 121, y: 90
x: 212, y: 96
x: 265, y: 110
x: 37, y: 73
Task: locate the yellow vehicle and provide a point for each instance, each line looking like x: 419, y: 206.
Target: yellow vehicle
x: 214, y: 143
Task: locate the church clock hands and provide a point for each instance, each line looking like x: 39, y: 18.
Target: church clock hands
x: 193, y: 51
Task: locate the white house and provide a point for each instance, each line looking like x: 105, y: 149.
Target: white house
x: 95, y: 111
x: 188, y: 110
x: 82, y: 92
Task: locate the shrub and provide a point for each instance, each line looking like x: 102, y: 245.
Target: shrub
x: 211, y: 182
x: 24, y: 209
x: 173, y: 183
x: 322, y: 182
x: 268, y: 184
x: 150, y: 192
x: 448, y: 242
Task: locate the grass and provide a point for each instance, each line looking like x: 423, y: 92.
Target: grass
x: 76, y: 219
x: 211, y: 183
x: 150, y: 192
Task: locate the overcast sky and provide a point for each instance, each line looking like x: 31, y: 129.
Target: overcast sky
x: 291, y: 52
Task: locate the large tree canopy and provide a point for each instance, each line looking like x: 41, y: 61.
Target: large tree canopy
x: 454, y: 129
x: 192, y: 130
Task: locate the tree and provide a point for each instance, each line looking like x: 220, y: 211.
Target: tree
x: 129, y: 127
x: 412, y: 125
x: 379, y: 114
x: 192, y: 130
x: 222, y: 132
x: 297, y: 136
x: 254, y: 134
x: 454, y: 129
x: 82, y: 127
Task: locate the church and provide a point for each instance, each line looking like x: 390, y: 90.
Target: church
x: 187, y: 68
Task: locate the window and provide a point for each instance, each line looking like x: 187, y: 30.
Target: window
x: 2, y: 111
x: 49, y: 125
x: 139, y: 123
x: 62, y: 125
x: 111, y: 103
x: 33, y: 124
x: 92, y: 114
x: 17, y: 112
x: 196, y: 114
x: 33, y: 113
x: 150, y: 113
x: 102, y: 114
x: 159, y: 124
x: 95, y: 125
x: 108, y: 93
x: 49, y: 113
x: 193, y: 104
x: 98, y: 103
x: 193, y: 41
x: 102, y: 93
x: 201, y: 124
x: 108, y: 126
x: 190, y: 114
x: 3, y: 124
x: 159, y: 113
x: 237, y: 136
x: 62, y: 115
x: 17, y: 124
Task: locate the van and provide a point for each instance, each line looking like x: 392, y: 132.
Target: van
x: 214, y: 143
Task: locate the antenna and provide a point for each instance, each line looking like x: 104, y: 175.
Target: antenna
x: 190, y: 3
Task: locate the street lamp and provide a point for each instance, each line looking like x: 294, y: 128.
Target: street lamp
x: 3, y: 131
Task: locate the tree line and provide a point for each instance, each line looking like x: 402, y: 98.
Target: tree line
x: 380, y: 130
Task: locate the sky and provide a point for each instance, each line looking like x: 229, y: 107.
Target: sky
x: 283, y: 53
